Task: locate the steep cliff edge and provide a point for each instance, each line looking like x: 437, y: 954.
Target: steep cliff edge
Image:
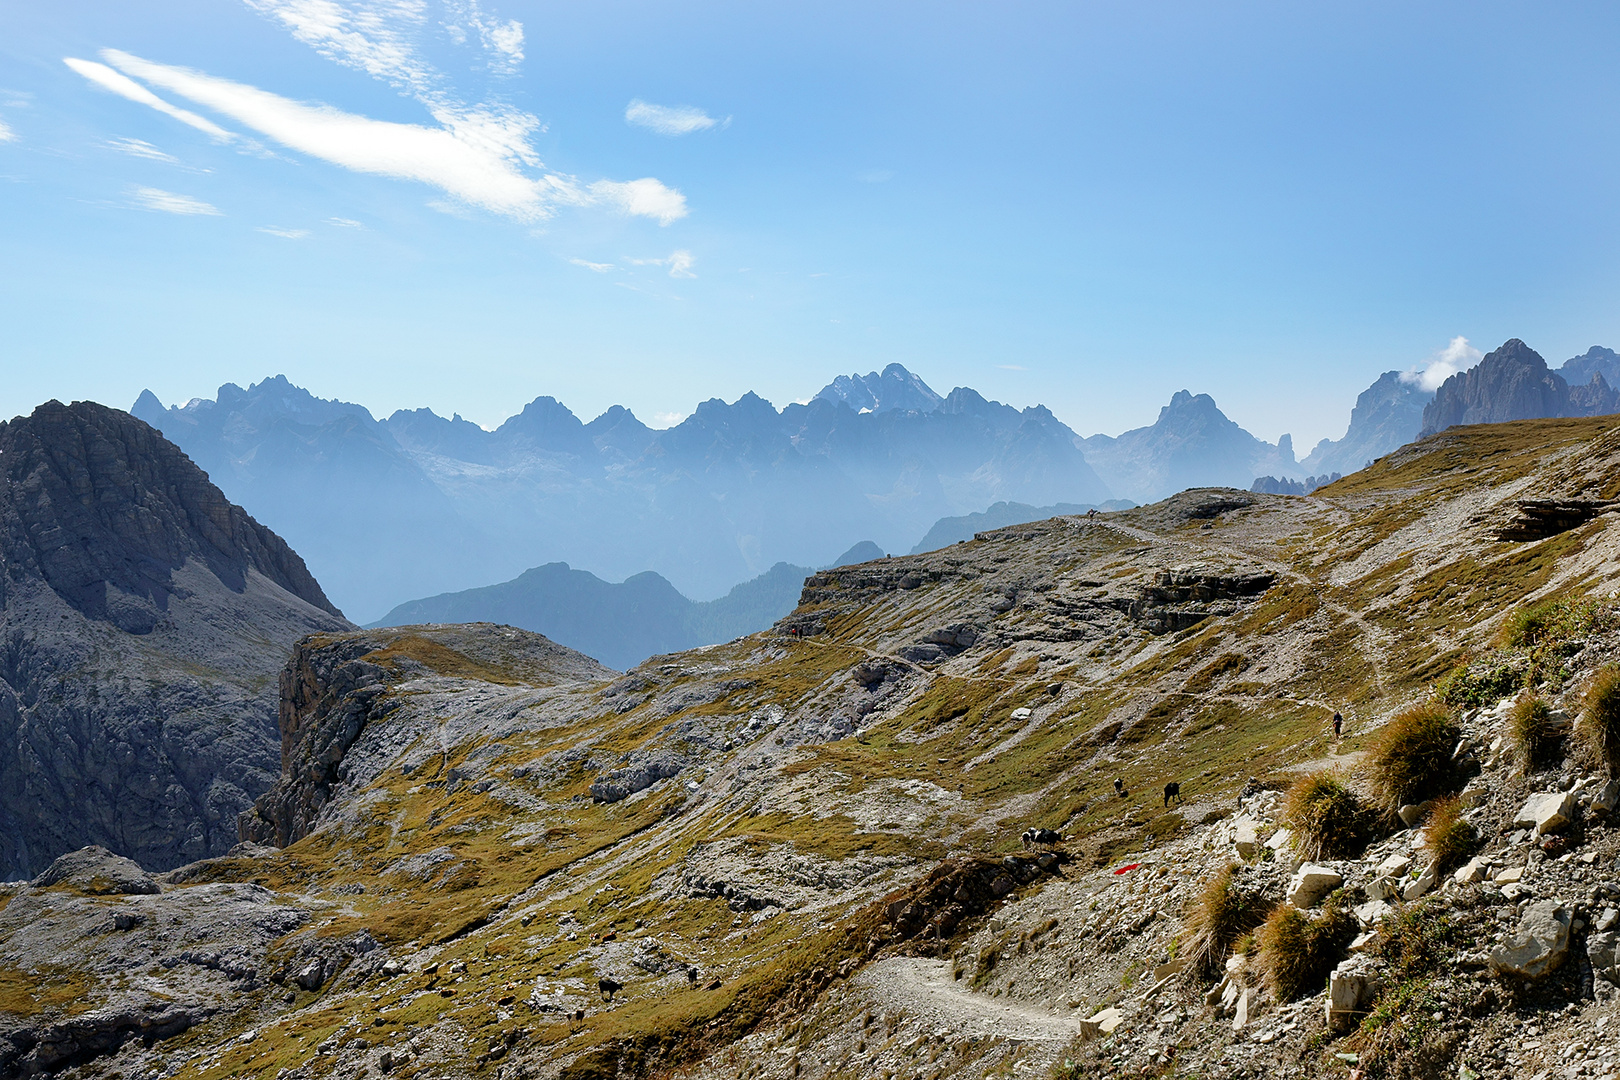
x: 142, y: 620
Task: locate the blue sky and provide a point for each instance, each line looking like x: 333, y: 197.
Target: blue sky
x: 461, y: 204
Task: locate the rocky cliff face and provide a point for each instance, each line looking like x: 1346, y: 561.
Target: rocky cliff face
x: 1387, y: 415
x: 142, y: 620
x: 1514, y: 383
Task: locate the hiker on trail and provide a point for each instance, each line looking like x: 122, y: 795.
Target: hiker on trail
x: 1338, y: 725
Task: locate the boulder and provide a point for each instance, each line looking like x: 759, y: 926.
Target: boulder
x: 1509, y: 875
x: 1351, y: 988
x: 1164, y: 971
x: 1538, y: 946
x: 1369, y: 913
x: 1280, y: 839
x: 1021, y: 713
x: 1422, y: 884
x: 1606, y: 798
x: 1547, y: 812
x: 1102, y: 1023
x: 1412, y: 813
x: 1603, y: 950
x: 1383, y: 888
x: 96, y: 871
x: 1471, y: 871
x: 1394, y: 866
x: 1246, y: 837
x: 1311, y: 883
x: 1240, y: 1018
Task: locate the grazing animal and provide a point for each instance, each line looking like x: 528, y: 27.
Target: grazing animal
x: 691, y: 975
x: 1044, y: 837
x: 1172, y: 790
x: 608, y: 987
x: 1119, y: 787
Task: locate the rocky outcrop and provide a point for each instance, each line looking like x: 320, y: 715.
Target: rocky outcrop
x: 1514, y: 383
x: 142, y: 620
x: 1387, y: 415
x: 1186, y: 596
x: 95, y: 871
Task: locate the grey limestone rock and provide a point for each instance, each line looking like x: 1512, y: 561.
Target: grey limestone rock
x: 142, y: 620
x: 98, y: 872
x: 1538, y: 946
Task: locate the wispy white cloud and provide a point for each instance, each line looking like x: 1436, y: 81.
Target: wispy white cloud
x: 1457, y: 356
x: 600, y: 268
x: 667, y: 419
x: 142, y: 149
x: 344, y: 223
x: 6, y: 134
x: 477, y: 157
x: 285, y: 234
x: 670, y: 120
x: 502, y: 39
x: 679, y: 262
x: 108, y: 79
x: 170, y: 203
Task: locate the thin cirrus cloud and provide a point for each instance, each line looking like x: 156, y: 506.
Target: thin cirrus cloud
x: 595, y: 267
x: 6, y: 134
x: 122, y: 85
x: 670, y: 120
x: 168, y: 202
x: 475, y: 156
x: 679, y: 262
x: 141, y: 149
x: 285, y: 234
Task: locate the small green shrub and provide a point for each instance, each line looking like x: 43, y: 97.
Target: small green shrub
x: 1298, y: 951
x: 1451, y: 837
x: 1327, y: 818
x: 1410, y: 757
x: 1537, y: 742
x: 1418, y: 939
x: 1600, y: 716
x: 1551, y: 624
x: 1225, y: 912
x: 1477, y: 684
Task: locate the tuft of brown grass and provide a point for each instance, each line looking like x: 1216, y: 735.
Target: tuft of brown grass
x: 1537, y: 741
x: 1223, y: 914
x: 1298, y: 951
x: 1410, y: 757
x: 1451, y: 837
x: 1328, y: 819
x: 1600, y: 716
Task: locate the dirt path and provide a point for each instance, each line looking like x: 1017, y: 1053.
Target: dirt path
x: 926, y: 991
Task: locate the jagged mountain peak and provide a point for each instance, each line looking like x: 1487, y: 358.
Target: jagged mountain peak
x: 892, y: 388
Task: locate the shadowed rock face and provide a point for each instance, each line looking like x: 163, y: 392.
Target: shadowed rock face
x: 143, y: 618
x: 1514, y: 383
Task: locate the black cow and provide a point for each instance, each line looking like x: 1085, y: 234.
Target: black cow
x: 608, y: 987
x: 1119, y: 788
x: 1172, y: 790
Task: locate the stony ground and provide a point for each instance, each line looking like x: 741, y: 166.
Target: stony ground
x: 798, y: 853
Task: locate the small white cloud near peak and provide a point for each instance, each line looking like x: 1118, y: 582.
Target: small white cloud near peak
x: 679, y: 262
x: 668, y: 120
x: 662, y: 420
x: 285, y: 234
x: 6, y: 134
x: 168, y: 202
x: 595, y: 267
x: 1457, y: 356
x: 344, y: 223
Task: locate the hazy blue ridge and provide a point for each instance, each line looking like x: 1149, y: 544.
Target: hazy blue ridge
x: 950, y: 530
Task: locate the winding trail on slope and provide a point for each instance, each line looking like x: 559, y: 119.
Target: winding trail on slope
x: 926, y: 989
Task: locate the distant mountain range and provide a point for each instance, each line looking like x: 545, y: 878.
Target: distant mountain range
x: 623, y: 624
x: 418, y: 505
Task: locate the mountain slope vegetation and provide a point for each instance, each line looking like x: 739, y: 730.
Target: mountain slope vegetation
x: 799, y: 853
